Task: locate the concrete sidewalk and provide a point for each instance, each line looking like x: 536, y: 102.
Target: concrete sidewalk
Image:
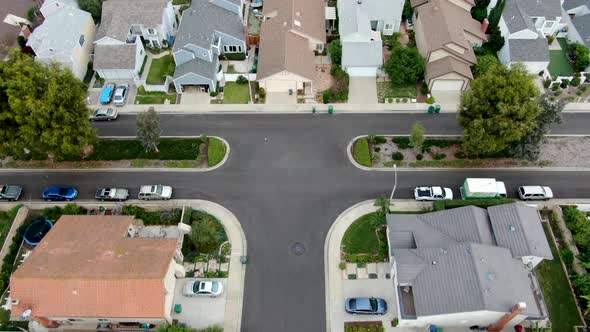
x: 333, y: 275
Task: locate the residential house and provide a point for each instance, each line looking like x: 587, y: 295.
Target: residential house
x: 98, y: 272
x: 125, y: 26
x: 13, y: 14
x: 50, y: 7
x: 65, y: 37
x: 525, y: 24
x: 578, y: 21
x: 290, y: 33
x: 468, y: 266
x: 207, y: 30
x: 445, y: 36
x: 361, y: 23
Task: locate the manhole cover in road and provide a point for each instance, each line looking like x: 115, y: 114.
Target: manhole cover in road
x: 298, y: 248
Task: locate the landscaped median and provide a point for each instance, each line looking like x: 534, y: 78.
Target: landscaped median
x: 196, y: 152
x: 383, y: 152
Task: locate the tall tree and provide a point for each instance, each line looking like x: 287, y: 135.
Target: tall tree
x: 335, y: 50
x: 42, y: 109
x: 94, y: 7
x: 501, y: 108
x: 417, y: 137
x: 148, y: 129
x: 484, y: 63
x: 405, y: 65
x: 529, y: 147
x: 580, y: 55
x: 205, y: 236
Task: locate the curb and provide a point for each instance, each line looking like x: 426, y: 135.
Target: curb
x: 442, y: 169
x: 129, y: 169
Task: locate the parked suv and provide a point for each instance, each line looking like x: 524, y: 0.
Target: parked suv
x: 527, y: 193
x: 155, y: 191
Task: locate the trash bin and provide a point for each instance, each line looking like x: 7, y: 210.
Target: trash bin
x: 437, y: 109
x: 178, y: 308
x: 430, y: 109
x: 330, y: 109
x: 290, y: 92
x: 313, y: 110
x: 244, y: 259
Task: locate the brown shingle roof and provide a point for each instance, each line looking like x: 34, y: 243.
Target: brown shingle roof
x: 447, y: 65
x: 86, y: 266
x: 283, y: 36
x: 118, y: 16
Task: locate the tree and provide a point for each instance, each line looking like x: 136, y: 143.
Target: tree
x: 496, y: 41
x: 405, y: 66
x: 205, y: 235
x: 148, y: 129
x: 383, y: 204
x: 496, y: 14
x: 484, y: 63
x: 417, y: 137
x: 42, y: 110
x: 500, y: 108
x: 408, y: 11
x: 94, y: 7
x: 480, y: 11
x: 580, y: 56
x: 335, y: 50
x: 529, y: 147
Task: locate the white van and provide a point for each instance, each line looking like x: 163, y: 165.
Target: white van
x: 527, y: 193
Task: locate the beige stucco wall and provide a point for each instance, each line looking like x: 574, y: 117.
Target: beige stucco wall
x: 81, y: 55
x: 450, y: 76
x: 169, y: 284
x: 283, y: 76
x: 419, y: 35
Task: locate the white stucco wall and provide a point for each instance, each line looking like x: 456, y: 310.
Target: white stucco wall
x: 533, y: 67
x: 463, y: 319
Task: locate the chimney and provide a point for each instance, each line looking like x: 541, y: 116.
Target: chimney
x: 517, y: 309
x: 484, y: 25
x: 26, y: 31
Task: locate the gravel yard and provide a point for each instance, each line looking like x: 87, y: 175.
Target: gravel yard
x: 566, y: 152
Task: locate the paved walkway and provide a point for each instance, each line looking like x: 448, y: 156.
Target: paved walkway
x: 333, y: 275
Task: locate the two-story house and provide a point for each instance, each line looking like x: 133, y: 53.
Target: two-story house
x: 125, y: 26
x: 207, y: 30
x: 98, y: 273
x: 52, y: 6
x: 361, y: 23
x: 577, y: 17
x: 525, y: 25
x: 445, y: 36
x: 65, y: 37
x: 467, y: 266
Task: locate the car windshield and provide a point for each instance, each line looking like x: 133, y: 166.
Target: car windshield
x: 197, y: 286
x: 214, y: 287
x: 159, y: 189
x: 373, y: 304
x: 3, y: 189
x: 63, y: 191
x: 109, y: 111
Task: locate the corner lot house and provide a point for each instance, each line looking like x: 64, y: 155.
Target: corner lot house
x: 125, y: 27
x: 525, y: 24
x: 65, y: 37
x: 290, y: 32
x: 97, y: 272
x: 468, y: 266
x: 445, y: 36
x: 578, y: 21
x: 361, y: 24
x: 207, y: 30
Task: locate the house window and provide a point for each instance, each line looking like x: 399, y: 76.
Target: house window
x: 75, y: 320
x: 548, y: 24
x: 232, y: 49
x: 151, y: 31
x: 82, y: 39
x: 388, y: 26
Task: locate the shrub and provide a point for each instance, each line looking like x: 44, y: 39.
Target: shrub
x: 405, y: 100
x: 402, y: 142
x: 580, y: 56
x: 377, y: 149
x: 558, y: 93
x: 352, y: 276
x: 419, y: 156
x: 52, y: 213
x: 567, y: 256
x: 550, y: 39
x: 575, y: 81
x: 460, y: 155
x: 439, y: 205
x: 430, y: 100
x: 547, y: 83
x: 395, y: 322
x: 439, y: 156
x: 342, y: 266
x: 361, y: 265
x: 555, y: 86
x: 74, y: 209
x: 372, y: 275
x: 577, y: 74
x: 241, y: 79
x: 213, y: 93
x: 564, y: 83
x: 583, y: 88
x: 424, y: 88
x: 380, y: 140
x: 397, y: 156
x: 261, y: 92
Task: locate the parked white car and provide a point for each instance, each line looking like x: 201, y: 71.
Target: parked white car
x: 527, y: 193
x: 121, y: 94
x: 432, y: 193
x: 155, y: 191
x: 194, y: 288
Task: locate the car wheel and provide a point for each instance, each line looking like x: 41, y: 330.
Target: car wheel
x: 109, y: 120
x: 47, y: 200
x: 68, y: 199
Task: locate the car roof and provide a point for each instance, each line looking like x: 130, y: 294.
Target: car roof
x: 146, y: 188
x: 533, y: 189
x: 102, y: 110
x: 362, y: 303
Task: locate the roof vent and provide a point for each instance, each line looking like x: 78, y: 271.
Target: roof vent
x: 15, y: 302
x: 297, y: 23
x: 433, y: 262
x: 490, y: 276
x: 359, y: 2
x: 512, y: 228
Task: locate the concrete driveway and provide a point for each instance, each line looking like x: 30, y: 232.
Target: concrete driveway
x: 447, y: 99
x: 280, y: 98
x: 199, y: 312
x: 195, y: 98
x: 362, y: 90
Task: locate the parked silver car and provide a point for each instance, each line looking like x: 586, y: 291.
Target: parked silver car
x: 195, y: 288
x: 103, y: 114
x: 121, y: 94
x: 155, y: 191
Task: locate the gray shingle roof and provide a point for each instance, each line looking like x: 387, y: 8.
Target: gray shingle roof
x: 541, y: 8
x: 523, y: 50
x: 518, y: 228
x: 197, y: 66
x: 582, y: 25
x: 517, y: 13
x: 118, y: 16
x: 571, y: 4
x: 455, y: 265
x: 114, y: 56
x: 362, y: 54
x: 201, y: 20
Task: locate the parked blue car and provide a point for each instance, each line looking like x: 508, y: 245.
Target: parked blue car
x: 366, y: 306
x: 107, y: 93
x: 60, y: 194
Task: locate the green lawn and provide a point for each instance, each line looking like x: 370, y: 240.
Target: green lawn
x: 234, y: 93
x: 170, y: 149
x: 215, y: 151
x: 6, y: 218
x: 361, y: 153
x: 181, y: 2
x: 388, y: 90
x: 559, y: 65
x: 160, y: 68
x: 360, y: 240
x: 155, y: 98
x: 558, y: 297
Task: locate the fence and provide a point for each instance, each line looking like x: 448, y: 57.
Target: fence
x: 164, y: 87
x: 234, y: 77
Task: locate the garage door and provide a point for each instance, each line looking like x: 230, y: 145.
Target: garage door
x: 447, y: 85
x: 362, y: 71
x: 117, y: 74
x: 280, y: 86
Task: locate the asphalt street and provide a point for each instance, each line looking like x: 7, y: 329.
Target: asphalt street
x: 287, y: 179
